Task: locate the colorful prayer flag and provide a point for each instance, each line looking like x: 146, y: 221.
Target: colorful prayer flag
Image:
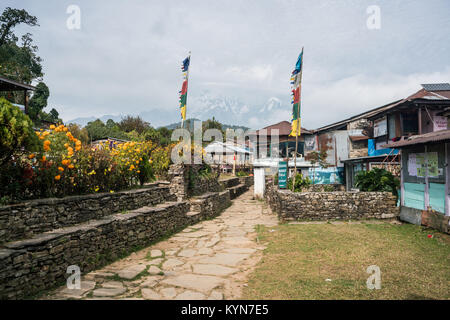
x: 296, y: 81
x: 184, y: 88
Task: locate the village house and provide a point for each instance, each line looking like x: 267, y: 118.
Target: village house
x: 347, y: 147
x: 424, y: 176
x: 273, y: 144
x: 229, y: 156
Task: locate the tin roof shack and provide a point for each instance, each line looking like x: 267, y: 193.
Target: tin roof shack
x: 7, y: 85
x: 421, y: 112
x: 425, y: 196
x: 230, y: 156
x: 343, y: 141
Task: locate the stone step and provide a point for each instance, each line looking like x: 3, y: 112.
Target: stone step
x: 40, y: 262
x: 23, y: 220
x: 193, y: 213
x: 236, y: 191
x: 32, y: 265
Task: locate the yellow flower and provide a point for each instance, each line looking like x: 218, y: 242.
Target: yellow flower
x: 96, y: 189
x: 111, y: 191
x: 52, y: 126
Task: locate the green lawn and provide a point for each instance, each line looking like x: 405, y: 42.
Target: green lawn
x: 299, y: 259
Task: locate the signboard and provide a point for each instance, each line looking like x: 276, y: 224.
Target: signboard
x: 282, y: 174
x: 419, y: 164
x: 439, y: 123
x: 380, y: 127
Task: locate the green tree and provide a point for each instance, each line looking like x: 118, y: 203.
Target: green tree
x: 39, y: 101
x: 98, y: 130
x: 18, y: 61
x: 16, y: 132
x: 377, y: 180
x: 79, y: 133
x: 130, y: 123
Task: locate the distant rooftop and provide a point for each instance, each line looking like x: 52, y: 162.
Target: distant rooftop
x: 436, y: 86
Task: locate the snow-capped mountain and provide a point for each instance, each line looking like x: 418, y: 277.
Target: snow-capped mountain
x: 224, y: 109
x: 271, y: 105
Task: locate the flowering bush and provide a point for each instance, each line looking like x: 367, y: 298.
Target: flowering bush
x: 63, y: 166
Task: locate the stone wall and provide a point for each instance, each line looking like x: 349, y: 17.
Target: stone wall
x: 29, y: 266
x: 339, y: 205
x: 25, y: 219
x: 324, y: 187
x: 237, y: 185
x: 186, y: 182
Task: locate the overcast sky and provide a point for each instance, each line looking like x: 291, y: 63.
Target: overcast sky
x: 126, y: 57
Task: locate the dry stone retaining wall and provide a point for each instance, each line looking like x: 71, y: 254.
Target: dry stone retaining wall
x: 32, y: 265
x: 23, y: 220
x: 339, y: 205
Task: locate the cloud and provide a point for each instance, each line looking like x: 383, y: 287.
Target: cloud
x: 126, y: 57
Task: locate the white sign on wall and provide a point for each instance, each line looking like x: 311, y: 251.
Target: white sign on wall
x: 439, y: 123
x: 380, y: 127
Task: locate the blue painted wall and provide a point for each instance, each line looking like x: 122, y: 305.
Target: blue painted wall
x: 372, y: 152
x: 437, y: 197
x: 332, y: 175
x: 414, y: 195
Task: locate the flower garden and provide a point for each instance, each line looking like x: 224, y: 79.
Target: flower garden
x: 60, y: 165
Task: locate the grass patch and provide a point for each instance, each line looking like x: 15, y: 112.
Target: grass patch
x: 299, y: 258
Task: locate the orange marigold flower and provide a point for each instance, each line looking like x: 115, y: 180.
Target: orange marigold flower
x: 61, y: 169
x: 52, y: 126
x: 31, y: 156
x: 71, y: 166
x: 44, y: 158
x: 57, y: 177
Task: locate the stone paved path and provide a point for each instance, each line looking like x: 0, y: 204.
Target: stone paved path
x: 209, y: 260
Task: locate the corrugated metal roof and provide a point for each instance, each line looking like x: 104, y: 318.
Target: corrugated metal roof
x: 420, y: 139
x: 443, y: 93
x: 283, y: 127
x: 11, y: 85
x: 227, y: 148
x: 436, y: 86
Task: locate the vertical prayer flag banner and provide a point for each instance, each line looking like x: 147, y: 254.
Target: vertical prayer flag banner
x: 184, y: 88
x: 296, y: 81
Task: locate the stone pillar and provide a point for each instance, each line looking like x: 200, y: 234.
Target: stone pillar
x: 260, y: 182
x: 178, y: 181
